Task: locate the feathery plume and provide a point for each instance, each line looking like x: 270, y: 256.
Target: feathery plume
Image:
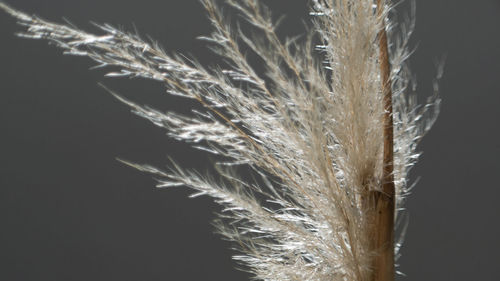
x: 330, y: 130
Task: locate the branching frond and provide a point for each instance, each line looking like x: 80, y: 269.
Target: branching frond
x: 310, y: 127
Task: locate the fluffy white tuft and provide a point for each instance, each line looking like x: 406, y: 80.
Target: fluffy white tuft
x: 310, y: 128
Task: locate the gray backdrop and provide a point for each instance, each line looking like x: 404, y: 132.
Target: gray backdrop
x: 70, y: 211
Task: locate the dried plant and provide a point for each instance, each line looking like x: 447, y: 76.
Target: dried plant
x: 330, y: 130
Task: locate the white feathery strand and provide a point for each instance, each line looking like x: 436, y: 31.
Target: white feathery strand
x: 310, y: 128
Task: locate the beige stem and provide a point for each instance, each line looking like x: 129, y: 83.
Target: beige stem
x: 384, y: 200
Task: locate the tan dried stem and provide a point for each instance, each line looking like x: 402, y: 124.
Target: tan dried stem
x: 383, y: 227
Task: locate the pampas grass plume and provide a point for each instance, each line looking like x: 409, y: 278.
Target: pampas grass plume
x: 312, y: 127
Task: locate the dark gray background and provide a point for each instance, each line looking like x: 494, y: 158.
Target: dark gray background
x: 70, y: 211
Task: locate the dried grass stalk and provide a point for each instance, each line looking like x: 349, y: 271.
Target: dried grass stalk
x: 330, y: 130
